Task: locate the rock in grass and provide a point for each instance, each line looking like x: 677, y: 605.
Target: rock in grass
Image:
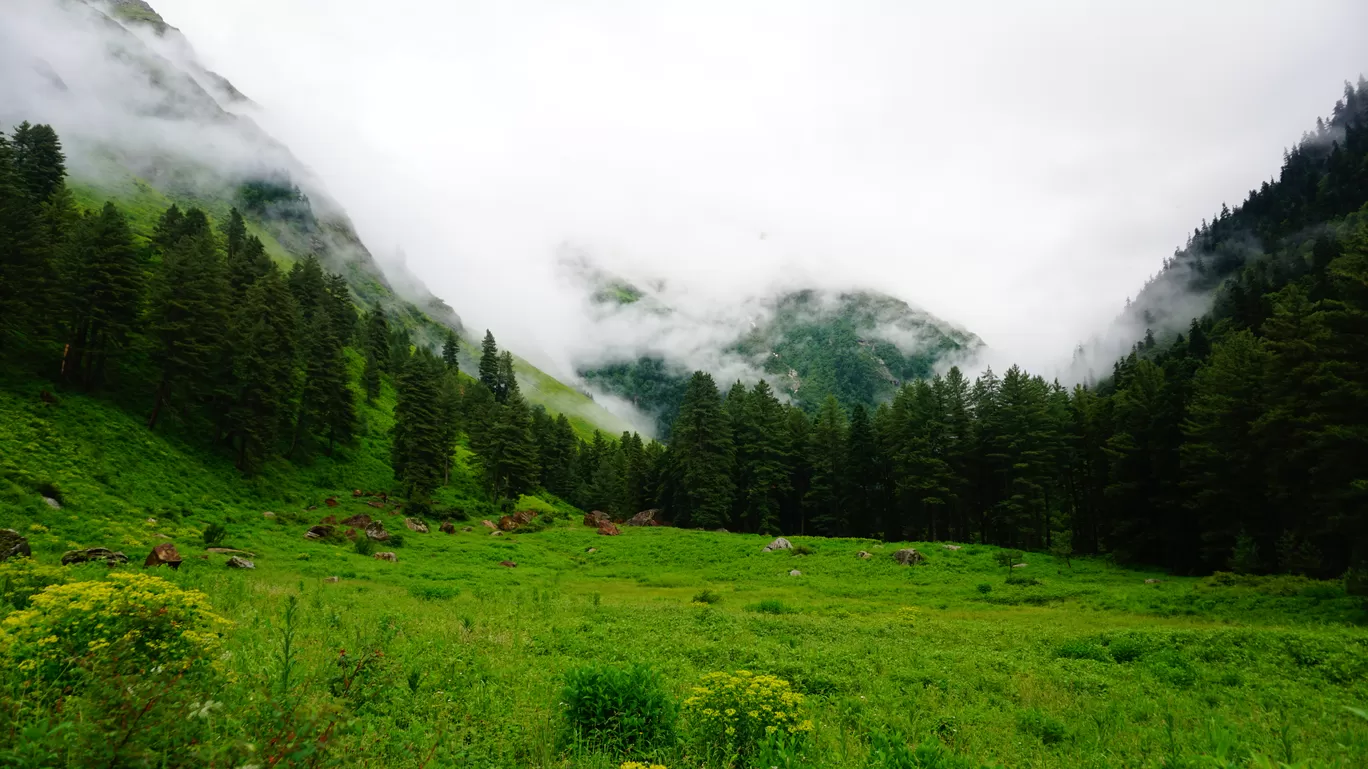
x: 778, y: 544
x: 524, y: 516
x: 238, y: 562
x: 951, y: 547
x: 333, y: 579
x: 596, y: 518
x: 795, y: 573
x: 864, y: 555
x: 13, y: 545
x: 414, y: 524
x: 448, y: 527
x: 330, y: 502
x: 591, y: 550
x: 489, y: 525
x: 496, y: 533
x: 360, y: 521
x: 507, y: 523
x: 110, y: 557
x: 645, y: 518
x: 467, y: 529
x: 908, y: 556
x: 52, y: 503
x: 163, y: 555
x: 229, y: 551
x: 508, y: 564
x: 376, y: 531
x: 320, y: 531
x: 609, y: 529
x: 268, y: 515
x: 1018, y: 566
x: 1147, y: 582
x: 391, y: 557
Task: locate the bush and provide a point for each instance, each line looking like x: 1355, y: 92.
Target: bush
x: 1126, y: 650
x: 707, y: 596
x: 1042, y: 726
x: 619, y: 710
x: 126, y: 625
x: 730, y: 714
x: 396, y: 539
x: 434, y: 592
x: 23, y: 578
x: 363, y: 545
x: 772, y: 606
x: 1013, y: 579
x: 1083, y: 650
x: 802, y: 550
x: 984, y: 588
x: 214, y: 534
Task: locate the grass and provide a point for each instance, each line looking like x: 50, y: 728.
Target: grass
x: 1091, y: 667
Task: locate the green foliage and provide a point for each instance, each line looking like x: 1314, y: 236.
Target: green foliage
x: 622, y: 711
x: 772, y: 606
x: 363, y: 545
x: 1041, y: 725
x: 707, y: 596
x: 214, y: 534
x: 732, y: 714
x: 23, y: 578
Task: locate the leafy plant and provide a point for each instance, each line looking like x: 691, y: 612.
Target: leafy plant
x: 707, y: 596
x: 730, y: 714
x: 772, y: 606
x: 214, y: 534
x: 364, y: 545
x: 984, y: 588
x: 619, y: 710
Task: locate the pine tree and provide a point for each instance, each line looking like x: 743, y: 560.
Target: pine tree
x: 103, y: 279
x: 701, y: 458
x: 327, y: 406
x: 826, y: 453
x: 310, y: 288
x: 506, y: 379
x: 489, y: 365
x: 370, y: 378
x: 376, y: 342
x: 760, y: 436
x: 451, y: 352
x: 39, y: 160
x: 417, y: 447
x: 263, y: 345
x: 24, y: 253
x: 509, y: 455
x: 449, y: 419
x: 862, y: 474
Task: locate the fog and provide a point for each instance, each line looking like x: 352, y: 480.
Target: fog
x: 1017, y: 172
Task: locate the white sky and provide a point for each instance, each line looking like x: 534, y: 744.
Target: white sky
x: 1018, y: 171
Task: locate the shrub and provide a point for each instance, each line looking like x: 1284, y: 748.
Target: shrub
x: 363, y: 545
x: 639, y: 765
x: 984, y: 588
x: 1082, y: 650
x: 707, y: 596
x: 1126, y: 650
x: 1013, y: 579
x: 214, y: 534
x: 1042, y: 726
x: 396, y: 539
x: 729, y: 714
x: 802, y: 550
x: 23, y: 578
x: 772, y: 606
x: 128, y: 624
x: 434, y: 592
x: 620, y: 710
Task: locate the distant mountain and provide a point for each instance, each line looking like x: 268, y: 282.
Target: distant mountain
x: 859, y: 346
x: 145, y: 124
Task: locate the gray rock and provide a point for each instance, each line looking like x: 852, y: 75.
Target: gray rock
x: 416, y: 525
x: 795, y: 573
x: 778, y: 544
x: 110, y: 557
x: 391, y: 557
x: 376, y: 531
x: 951, y: 547
x: 333, y: 579
x: 319, y: 532
x: 1018, y: 566
x: 908, y: 556
x: 238, y: 562
x: 864, y: 554
x: 13, y: 545
x: 1153, y: 581
x: 52, y: 503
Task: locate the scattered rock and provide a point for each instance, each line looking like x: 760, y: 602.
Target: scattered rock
x: 1018, y: 566
x: 721, y: 531
x: 357, y: 493
x: 329, y: 520
x: 865, y: 554
x: 330, y: 502
x: 596, y: 518
x: 609, y: 529
x: 93, y: 554
x: 228, y: 551
x: 778, y: 544
x: 376, y: 505
x: 13, y: 544
x: 524, y: 516
x: 951, y: 547
x: 795, y: 573
x: 391, y: 557
x: 151, y: 521
x: 509, y: 564
x: 591, y: 550
x: 333, y: 579
x: 1150, y: 581
x: 318, y: 532
x: 467, y: 529
x: 496, y: 533
x: 360, y: 521
x: 268, y: 515
x: 163, y: 555
x: 376, y: 531
x: 488, y: 525
x: 351, y: 534
x: 414, y: 524
x: 238, y: 562
x: 507, y: 523
x: 52, y: 503
x: 644, y: 518
x: 907, y: 556
x: 448, y: 527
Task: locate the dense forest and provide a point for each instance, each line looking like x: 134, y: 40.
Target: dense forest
x: 1235, y: 444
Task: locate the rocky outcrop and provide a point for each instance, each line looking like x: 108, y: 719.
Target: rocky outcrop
x: 104, y: 554
x: 360, y: 521
x: 507, y: 523
x: 238, y: 562
x: 489, y: 525
x: 778, y: 544
x: 321, y: 531
x: 391, y: 557
x: 596, y: 518
x: 376, y: 531
x: 907, y: 556
x: 609, y: 529
x: 645, y: 518
x: 163, y: 555
x: 524, y: 517
x: 416, y: 525
x: 448, y: 527
x: 13, y: 545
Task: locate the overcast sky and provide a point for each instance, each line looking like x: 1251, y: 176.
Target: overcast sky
x: 1019, y: 172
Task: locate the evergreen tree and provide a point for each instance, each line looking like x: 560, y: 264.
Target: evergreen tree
x: 370, y: 377
x: 263, y: 346
x: 489, y: 365
x: 417, y: 448
x: 451, y: 352
x: 39, y: 160
x: 327, y: 404
x: 509, y: 455
x: 826, y: 453
x: 701, y: 458
x: 376, y: 343
x: 506, y: 378
x: 762, y: 477
x: 103, y: 276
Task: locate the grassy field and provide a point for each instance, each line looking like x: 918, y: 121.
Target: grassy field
x: 1077, y: 665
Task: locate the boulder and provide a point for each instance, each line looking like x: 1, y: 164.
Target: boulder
x: 163, y: 555
x: 507, y: 523
x: 330, y: 502
x: 1018, y: 566
x: 721, y: 531
x: 357, y: 493
x: 268, y: 515
x: 1153, y: 581
x: 864, y: 554
x: 391, y: 557
x: 151, y: 521
x: 414, y: 524
x: 778, y: 544
x: 52, y: 503
x: 110, y: 557
x: 360, y: 521
x: 644, y: 518
x: 333, y: 580
x: 595, y: 519
x: 238, y: 562
x: 524, y: 516
x: 951, y: 547
x: 907, y: 556
x: 509, y: 564
x: 376, y: 505
x: 320, y: 531
x: 488, y: 525
x: 496, y: 533
x: 376, y: 531
x: 467, y: 529
x: 13, y: 545
x: 329, y: 520
x: 350, y: 534
x: 591, y: 550
x: 448, y: 527
x: 795, y: 573
x: 609, y: 529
